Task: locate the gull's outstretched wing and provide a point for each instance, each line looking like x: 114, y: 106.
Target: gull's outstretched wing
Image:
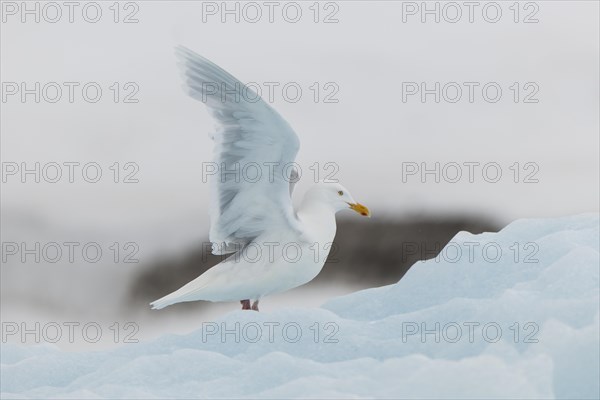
x: 253, y: 174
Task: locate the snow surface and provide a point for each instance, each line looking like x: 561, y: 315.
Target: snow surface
x: 372, y: 349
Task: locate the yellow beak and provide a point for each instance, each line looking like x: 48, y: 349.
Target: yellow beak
x: 359, y: 208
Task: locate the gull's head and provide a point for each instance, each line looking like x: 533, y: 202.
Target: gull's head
x: 338, y: 197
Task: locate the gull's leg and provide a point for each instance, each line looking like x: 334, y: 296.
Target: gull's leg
x: 255, y: 305
x: 245, y: 304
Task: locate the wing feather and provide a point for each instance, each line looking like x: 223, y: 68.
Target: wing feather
x: 254, y: 153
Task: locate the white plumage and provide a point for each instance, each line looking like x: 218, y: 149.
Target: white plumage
x: 274, y: 247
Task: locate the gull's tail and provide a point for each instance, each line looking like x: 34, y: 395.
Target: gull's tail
x: 163, y: 302
x: 189, y: 292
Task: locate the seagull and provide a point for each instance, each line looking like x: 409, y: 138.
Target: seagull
x: 273, y: 248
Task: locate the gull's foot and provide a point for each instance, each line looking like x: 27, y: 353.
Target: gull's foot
x: 245, y: 304
x: 255, y: 305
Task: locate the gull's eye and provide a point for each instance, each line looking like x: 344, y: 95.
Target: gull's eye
x: 341, y: 193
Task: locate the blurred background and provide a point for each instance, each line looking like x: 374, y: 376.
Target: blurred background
x: 88, y: 247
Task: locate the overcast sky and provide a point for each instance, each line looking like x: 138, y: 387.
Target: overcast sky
x: 376, y: 132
